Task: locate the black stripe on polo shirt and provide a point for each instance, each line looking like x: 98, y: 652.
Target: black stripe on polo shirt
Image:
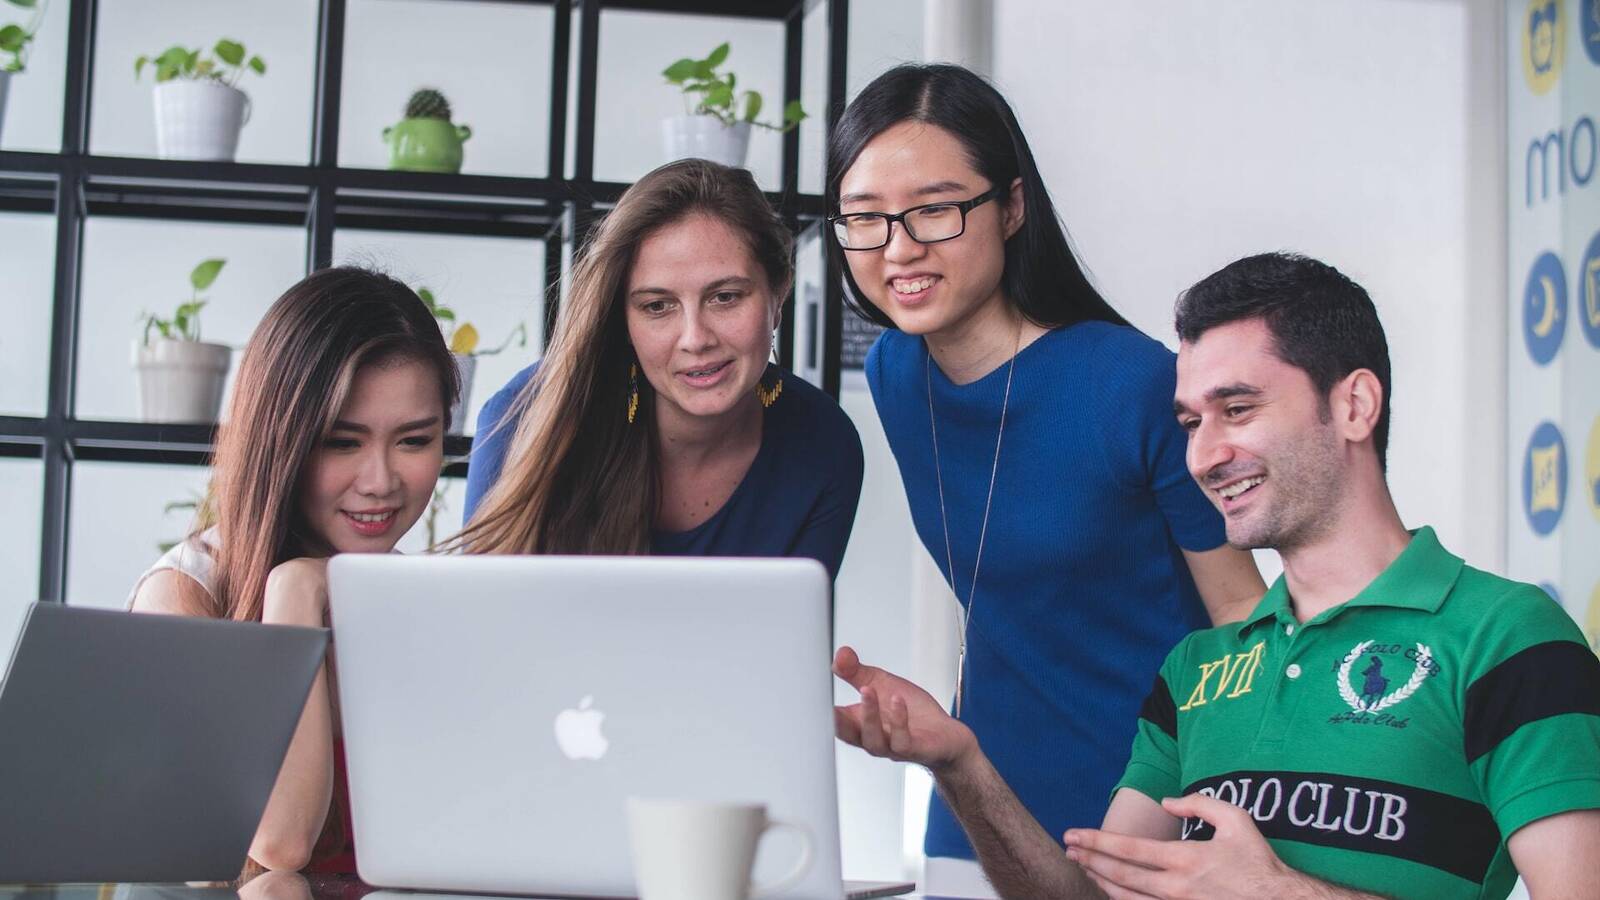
x: 1362, y: 815
x: 1159, y: 710
x: 1544, y: 680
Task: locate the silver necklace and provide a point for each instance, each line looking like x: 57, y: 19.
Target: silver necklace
x: 944, y: 518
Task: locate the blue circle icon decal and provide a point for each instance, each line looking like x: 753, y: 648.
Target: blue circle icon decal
x: 1544, y: 307
x: 1587, y: 303
x: 1544, y: 478
x: 1589, y: 13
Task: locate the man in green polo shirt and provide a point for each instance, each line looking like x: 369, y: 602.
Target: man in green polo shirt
x: 1388, y: 722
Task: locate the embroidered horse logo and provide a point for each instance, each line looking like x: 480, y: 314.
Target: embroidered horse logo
x: 1372, y: 697
x: 1376, y: 684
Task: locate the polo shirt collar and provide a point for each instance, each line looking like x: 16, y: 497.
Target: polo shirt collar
x: 1419, y: 578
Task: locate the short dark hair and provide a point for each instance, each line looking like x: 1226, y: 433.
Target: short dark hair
x: 1321, y: 322
x: 1042, y: 275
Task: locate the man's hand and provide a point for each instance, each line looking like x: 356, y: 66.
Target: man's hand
x: 1236, y: 863
x: 898, y: 720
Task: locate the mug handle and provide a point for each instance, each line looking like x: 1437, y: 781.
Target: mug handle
x: 799, y: 870
x: 247, y: 107
x: 463, y: 132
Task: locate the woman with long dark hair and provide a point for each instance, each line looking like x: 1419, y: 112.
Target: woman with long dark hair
x: 332, y: 443
x: 655, y: 422
x: 1034, y: 432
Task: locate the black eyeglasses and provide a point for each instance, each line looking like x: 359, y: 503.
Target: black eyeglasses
x: 926, y: 224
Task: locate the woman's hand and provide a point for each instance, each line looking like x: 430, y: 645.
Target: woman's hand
x: 297, y: 593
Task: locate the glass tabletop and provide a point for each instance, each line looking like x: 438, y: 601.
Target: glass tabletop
x: 252, y: 885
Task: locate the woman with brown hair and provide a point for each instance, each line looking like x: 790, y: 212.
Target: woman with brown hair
x: 655, y: 423
x: 332, y: 444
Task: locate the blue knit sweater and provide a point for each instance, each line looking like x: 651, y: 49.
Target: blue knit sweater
x: 798, y: 498
x: 1083, y: 587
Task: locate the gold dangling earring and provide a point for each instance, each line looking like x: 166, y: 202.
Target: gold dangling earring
x: 768, y: 395
x: 633, y: 391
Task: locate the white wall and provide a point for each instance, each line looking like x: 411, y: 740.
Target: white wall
x: 1176, y: 137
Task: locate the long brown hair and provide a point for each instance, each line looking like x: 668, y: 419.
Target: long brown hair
x: 578, y: 478
x: 296, y: 374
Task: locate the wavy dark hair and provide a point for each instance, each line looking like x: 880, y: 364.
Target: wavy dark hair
x: 1042, y: 276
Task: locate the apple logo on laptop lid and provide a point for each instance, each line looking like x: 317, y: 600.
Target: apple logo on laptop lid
x: 578, y: 731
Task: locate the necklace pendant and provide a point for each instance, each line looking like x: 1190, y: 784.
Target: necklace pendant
x: 961, y: 673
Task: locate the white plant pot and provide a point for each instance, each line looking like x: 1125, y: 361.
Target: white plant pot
x: 466, y: 367
x: 199, y: 120
x: 5, y: 87
x: 180, y: 381
x: 705, y: 137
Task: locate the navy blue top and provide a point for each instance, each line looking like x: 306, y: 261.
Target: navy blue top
x: 798, y: 499
x: 1083, y: 587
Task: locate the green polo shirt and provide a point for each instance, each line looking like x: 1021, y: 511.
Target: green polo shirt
x: 1392, y: 743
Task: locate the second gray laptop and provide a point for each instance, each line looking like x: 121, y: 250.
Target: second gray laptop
x: 143, y: 747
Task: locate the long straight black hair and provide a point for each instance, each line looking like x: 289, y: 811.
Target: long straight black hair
x: 1042, y: 277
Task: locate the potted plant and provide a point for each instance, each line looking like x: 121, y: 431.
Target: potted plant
x: 14, y: 41
x: 199, y: 107
x: 717, y: 125
x: 425, y: 140
x: 181, y: 377
x: 462, y: 338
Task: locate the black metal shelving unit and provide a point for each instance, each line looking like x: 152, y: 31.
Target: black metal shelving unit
x: 321, y: 197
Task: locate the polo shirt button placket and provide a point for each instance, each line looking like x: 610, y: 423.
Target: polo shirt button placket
x: 1280, y: 707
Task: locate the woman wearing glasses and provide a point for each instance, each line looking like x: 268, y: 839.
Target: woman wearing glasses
x: 1034, y: 432
x: 655, y: 423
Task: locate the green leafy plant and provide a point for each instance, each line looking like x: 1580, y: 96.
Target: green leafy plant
x: 710, y: 93
x: 226, y: 64
x: 462, y: 336
x: 14, y: 38
x: 185, y: 322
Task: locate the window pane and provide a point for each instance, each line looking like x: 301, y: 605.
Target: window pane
x: 442, y: 520
x: 136, y: 265
x: 493, y: 283
x: 883, y: 34
x: 633, y: 98
x: 30, y: 246
x: 32, y: 116
x: 283, y: 33
x: 22, y: 495
x: 497, y: 82
x: 119, y: 524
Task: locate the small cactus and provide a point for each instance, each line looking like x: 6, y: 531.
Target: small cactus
x: 428, y: 103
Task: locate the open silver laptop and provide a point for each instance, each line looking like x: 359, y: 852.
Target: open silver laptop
x: 141, y: 747
x: 499, y: 711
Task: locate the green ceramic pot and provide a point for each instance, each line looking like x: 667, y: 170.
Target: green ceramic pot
x: 426, y: 145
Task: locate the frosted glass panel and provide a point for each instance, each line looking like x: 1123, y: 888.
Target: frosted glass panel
x: 32, y: 119
x: 119, y: 522
x: 491, y: 282
x: 283, y: 33
x: 132, y: 265
x: 497, y: 79
x: 30, y: 249
x: 21, y: 496
x: 633, y: 98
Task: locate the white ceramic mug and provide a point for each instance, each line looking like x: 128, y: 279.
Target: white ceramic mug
x: 692, y: 850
